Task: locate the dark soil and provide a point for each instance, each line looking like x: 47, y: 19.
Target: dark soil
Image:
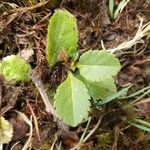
x: 23, y: 25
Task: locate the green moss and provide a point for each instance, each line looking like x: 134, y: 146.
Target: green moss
x: 15, y: 69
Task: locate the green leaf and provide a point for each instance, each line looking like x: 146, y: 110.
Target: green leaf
x: 62, y: 36
x: 98, y: 65
x: 120, y: 7
x: 100, y: 90
x: 111, y: 7
x: 72, y: 101
x: 115, y: 96
x: 145, y: 89
x: 6, y: 131
x: 15, y: 69
x: 141, y: 124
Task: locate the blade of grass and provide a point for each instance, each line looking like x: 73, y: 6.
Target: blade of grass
x: 120, y: 7
x: 77, y: 147
x: 114, y: 96
x: 140, y: 127
x: 140, y: 97
x: 111, y: 8
x: 52, y: 147
x: 59, y: 147
x: 137, y: 92
x: 141, y: 124
x: 93, y: 130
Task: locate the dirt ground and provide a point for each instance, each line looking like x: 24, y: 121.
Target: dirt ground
x: 23, y: 26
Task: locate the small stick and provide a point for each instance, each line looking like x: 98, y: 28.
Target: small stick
x: 19, y: 11
x: 93, y: 130
x: 38, y: 83
x: 49, y: 108
x: 143, y: 30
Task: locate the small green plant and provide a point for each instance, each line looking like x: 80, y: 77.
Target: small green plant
x: 15, y: 69
x: 89, y: 75
x: 115, y: 12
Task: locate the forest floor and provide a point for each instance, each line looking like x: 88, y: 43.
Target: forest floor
x: 23, y: 27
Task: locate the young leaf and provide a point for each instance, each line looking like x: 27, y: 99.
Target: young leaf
x: 6, y: 131
x: 100, y: 90
x: 98, y: 65
x: 62, y: 36
x: 72, y: 101
x: 15, y: 69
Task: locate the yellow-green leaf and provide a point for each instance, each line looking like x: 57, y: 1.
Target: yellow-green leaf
x: 98, y: 65
x: 100, y: 90
x: 72, y: 101
x: 62, y: 36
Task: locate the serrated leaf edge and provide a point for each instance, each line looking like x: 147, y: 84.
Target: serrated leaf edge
x: 49, y: 53
x: 81, y: 119
x: 95, y: 51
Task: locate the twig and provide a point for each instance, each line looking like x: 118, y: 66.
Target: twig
x: 38, y: 83
x: 143, y: 30
x: 83, y: 139
x: 49, y: 108
x: 35, y: 121
x: 93, y: 130
x: 25, y: 9
x: 14, y: 145
x: 77, y: 147
x: 43, y: 19
x: 19, y: 11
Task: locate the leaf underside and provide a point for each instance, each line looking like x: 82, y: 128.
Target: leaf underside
x: 98, y: 65
x: 72, y: 101
x: 62, y: 36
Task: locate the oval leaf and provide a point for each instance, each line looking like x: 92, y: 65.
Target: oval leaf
x: 72, y: 101
x: 100, y: 90
x: 6, y: 131
x: 98, y: 65
x: 62, y: 36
